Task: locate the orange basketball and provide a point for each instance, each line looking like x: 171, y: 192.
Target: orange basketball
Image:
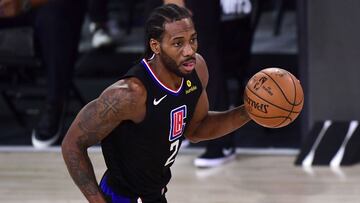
x: 273, y: 97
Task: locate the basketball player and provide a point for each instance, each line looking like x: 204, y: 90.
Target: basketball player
x: 140, y: 119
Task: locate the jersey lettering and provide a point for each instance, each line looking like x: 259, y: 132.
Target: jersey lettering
x: 177, y: 122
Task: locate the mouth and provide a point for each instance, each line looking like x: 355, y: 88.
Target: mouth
x: 189, y: 65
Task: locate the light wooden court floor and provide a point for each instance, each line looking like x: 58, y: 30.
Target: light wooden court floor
x: 41, y: 177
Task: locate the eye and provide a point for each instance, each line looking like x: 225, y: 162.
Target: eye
x: 177, y: 44
x: 193, y: 40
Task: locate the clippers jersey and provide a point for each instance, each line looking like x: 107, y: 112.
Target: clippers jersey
x: 139, y: 156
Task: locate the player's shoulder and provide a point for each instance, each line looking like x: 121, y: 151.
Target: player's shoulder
x: 200, y: 61
x: 128, y: 90
x: 202, y: 70
x: 127, y: 96
x: 135, y: 85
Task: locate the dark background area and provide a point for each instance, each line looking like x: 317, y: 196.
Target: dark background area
x: 275, y: 45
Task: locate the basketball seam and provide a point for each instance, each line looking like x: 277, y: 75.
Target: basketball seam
x: 264, y: 117
x: 282, y: 92
x: 271, y: 102
x: 273, y: 126
x: 301, y: 101
x: 294, y: 104
x: 288, y: 116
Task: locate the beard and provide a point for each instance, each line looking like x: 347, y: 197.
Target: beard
x: 171, y: 64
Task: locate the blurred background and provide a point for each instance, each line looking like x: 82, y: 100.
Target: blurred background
x: 317, y: 41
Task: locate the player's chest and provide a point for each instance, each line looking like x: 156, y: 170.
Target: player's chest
x: 168, y: 116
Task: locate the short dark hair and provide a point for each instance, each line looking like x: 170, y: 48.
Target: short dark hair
x: 154, y: 27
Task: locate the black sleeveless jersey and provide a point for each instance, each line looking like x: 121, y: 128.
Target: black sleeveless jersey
x: 139, y: 156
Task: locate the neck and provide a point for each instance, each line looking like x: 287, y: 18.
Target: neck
x: 167, y: 77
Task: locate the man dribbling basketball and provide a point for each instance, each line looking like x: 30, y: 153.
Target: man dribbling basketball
x: 141, y: 118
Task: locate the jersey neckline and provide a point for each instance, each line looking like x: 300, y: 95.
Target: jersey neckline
x: 156, y: 79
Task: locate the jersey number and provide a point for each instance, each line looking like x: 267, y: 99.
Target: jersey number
x: 174, y: 147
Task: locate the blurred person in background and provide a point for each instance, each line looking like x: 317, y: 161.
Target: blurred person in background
x: 99, y: 23
x: 57, y: 26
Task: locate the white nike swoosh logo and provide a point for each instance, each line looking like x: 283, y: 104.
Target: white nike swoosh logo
x: 156, y: 102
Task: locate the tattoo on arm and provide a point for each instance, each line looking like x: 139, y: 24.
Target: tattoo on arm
x: 101, y: 116
x: 109, y: 106
x: 82, y: 173
x: 93, y: 123
x: 88, y: 137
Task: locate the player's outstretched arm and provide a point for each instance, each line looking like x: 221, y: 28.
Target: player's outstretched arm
x: 208, y: 125
x: 121, y: 101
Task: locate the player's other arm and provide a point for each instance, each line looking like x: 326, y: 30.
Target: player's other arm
x: 121, y: 101
x: 207, y: 125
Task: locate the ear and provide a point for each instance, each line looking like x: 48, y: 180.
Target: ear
x: 155, y: 46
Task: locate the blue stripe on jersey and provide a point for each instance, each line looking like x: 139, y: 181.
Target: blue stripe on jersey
x: 157, y: 81
x: 115, y: 198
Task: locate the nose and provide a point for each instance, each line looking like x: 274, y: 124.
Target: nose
x: 188, y: 50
